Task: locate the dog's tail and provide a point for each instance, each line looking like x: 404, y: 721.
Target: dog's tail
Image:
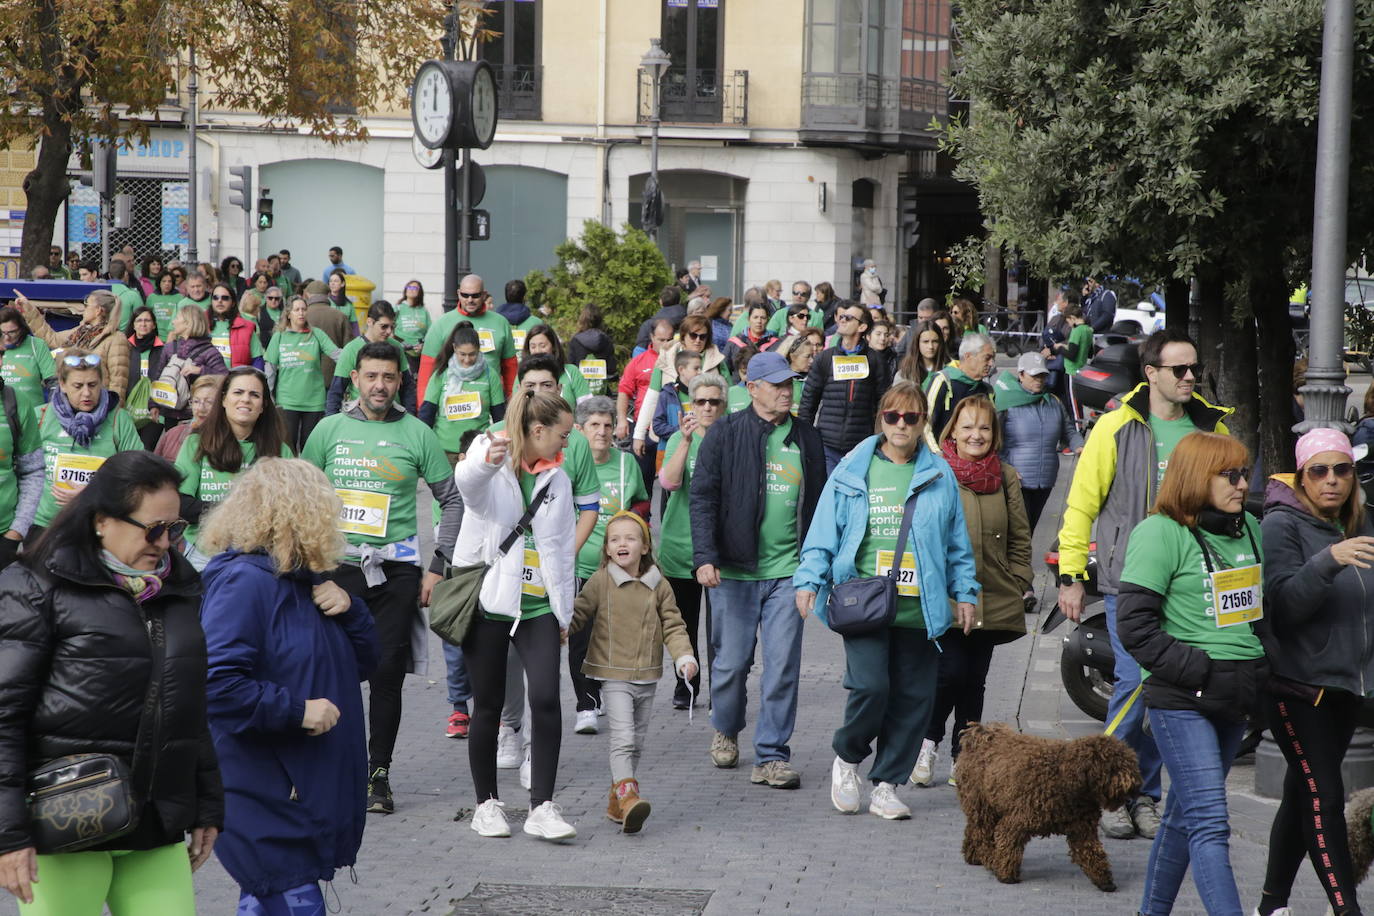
x: 1359, y: 832
x: 978, y: 734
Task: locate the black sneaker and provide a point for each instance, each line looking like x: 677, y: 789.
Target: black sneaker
x: 379, y: 799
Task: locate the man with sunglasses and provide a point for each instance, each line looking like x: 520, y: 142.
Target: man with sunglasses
x: 1114, y: 485
x: 494, y: 335
x: 758, y: 477
x: 55, y: 266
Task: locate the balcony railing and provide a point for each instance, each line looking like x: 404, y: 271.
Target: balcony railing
x: 870, y: 104
x: 696, y: 96
x: 518, y: 92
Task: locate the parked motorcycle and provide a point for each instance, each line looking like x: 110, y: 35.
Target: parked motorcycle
x: 1087, y: 664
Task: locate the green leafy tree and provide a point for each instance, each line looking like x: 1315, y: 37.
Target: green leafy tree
x: 1167, y: 140
x: 622, y: 273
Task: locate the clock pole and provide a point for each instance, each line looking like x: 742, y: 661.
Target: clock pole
x: 451, y: 275
x: 465, y: 228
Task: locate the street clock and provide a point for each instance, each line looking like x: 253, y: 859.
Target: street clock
x: 453, y: 104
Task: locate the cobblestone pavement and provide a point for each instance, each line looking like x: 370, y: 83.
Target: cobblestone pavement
x: 757, y: 850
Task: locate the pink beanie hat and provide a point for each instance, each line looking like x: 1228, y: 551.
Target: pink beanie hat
x: 1316, y: 441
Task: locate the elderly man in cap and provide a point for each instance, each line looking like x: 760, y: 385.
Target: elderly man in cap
x: 758, y: 476
x: 1035, y: 426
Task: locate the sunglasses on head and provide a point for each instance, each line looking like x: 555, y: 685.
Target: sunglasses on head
x: 90, y: 360
x: 154, y: 532
x: 910, y: 417
x: 1183, y: 369
x: 1319, y: 471
x: 708, y: 402
x: 1234, y: 475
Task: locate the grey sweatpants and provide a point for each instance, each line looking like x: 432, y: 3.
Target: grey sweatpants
x: 628, y: 707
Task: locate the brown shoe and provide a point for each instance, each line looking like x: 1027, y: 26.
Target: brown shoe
x: 613, y: 807
x: 633, y: 809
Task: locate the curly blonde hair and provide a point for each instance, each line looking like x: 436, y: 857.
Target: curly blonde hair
x: 281, y: 507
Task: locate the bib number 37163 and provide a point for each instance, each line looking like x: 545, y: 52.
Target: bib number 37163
x: 1238, y: 595
x: 73, y: 472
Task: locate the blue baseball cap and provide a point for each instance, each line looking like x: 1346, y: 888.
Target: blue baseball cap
x: 770, y: 367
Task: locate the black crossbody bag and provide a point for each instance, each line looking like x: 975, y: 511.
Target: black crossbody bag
x: 865, y: 605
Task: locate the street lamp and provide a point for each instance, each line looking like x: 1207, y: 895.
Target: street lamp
x: 656, y: 62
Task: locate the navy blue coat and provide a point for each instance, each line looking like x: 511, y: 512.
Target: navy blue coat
x: 294, y: 804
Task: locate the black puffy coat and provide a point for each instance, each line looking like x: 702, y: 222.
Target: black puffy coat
x: 75, y: 663
x: 843, y: 411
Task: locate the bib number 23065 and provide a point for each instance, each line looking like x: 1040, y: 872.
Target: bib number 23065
x: 1238, y: 596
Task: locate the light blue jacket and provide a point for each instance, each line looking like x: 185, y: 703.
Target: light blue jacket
x: 938, y: 534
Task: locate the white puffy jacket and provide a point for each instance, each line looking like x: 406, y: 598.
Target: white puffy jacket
x: 492, y: 505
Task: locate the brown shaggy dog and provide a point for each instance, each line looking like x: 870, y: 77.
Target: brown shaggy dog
x: 1359, y: 835
x: 1013, y: 787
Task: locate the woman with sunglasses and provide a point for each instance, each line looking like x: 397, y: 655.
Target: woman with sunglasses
x: 412, y: 323
x: 234, y: 336
x: 118, y: 623
x: 97, y: 333
x: 231, y: 275
x: 891, y: 671
x: 243, y: 426
x: 800, y: 354
x: 1319, y: 602
x: 695, y: 336
x: 1190, y: 593
x: 845, y: 384
x: 80, y: 426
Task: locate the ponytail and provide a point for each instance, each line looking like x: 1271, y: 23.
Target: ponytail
x: 528, y: 409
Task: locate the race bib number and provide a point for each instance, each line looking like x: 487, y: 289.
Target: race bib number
x: 163, y: 394
x: 518, y: 336
x: 75, y: 471
x: 907, y: 585
x: 850, y: 368
x: 465, y: 405
x: 143, y: 361
x: 1238, y: 596
x: 486, y: 340
x: 364, y: 513
x: 222, y: 345
x: 532, y: 576
x: 593, y: 370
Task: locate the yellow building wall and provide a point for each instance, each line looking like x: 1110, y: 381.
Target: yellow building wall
x: 765, y: 38
x: 15, y: 163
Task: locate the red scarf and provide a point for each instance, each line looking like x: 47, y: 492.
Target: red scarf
x: 981, y: 476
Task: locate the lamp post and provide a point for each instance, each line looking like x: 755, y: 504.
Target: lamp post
x: 192, y: 184
x: 656, y: 62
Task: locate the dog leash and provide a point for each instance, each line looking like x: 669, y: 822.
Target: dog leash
x: 1121, y: 713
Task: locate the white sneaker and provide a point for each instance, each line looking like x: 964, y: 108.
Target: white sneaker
x: 586, y: 722
x: 546, y: 822
x: 885, y: 803
x: 490, y: 820
x: 844, y: 786
x: 507, y: 748
x: 525, y: 772
x: 1282, y: 911
x: 925, y: 763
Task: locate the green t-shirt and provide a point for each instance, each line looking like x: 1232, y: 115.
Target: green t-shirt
x: 622, y: 485
x: 26, y: 366
x: 14, y: 443
x: 66, y: 462
x: 675, y: 534
x: 129, y: 299
x: 573, y: 386
x: 493, y: 336
x: 461, y: 406
x: 219, y: 336
x: 737, y: 398
x: 1164, y: 557
x: 412, y: 321
x: 375, y: 467
x: 534, y: 595
x: 888, y: 486
x: 1167, y: 434
x: 778, y: 546
x: 165, y: 307
x: 1080, y: 348
x: 797, y: 386
x: 348, y: 361
x: 300, y: 383
x: 206, y: 484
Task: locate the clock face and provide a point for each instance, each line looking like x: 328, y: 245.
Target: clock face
x: 429, y: 158
x: 483, y: 107
x: 432, y: 106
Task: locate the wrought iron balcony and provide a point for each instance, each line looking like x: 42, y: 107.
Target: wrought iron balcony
x: 885, y: 110
x: 696, y: 96
x: 518, y: 92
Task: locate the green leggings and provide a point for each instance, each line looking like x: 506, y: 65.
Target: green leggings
x: 153, y: 882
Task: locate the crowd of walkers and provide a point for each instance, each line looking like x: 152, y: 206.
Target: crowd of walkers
x: 183, y: 633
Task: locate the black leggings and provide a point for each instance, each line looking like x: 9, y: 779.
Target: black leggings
x: 299, y: 425
x: 1311, y: 817
x: 687, y: 593
x: 961, y: 683
x: 394, y: 605
x: 484, y: 652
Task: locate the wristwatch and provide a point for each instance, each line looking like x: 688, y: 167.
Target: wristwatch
x: 1066, y: 580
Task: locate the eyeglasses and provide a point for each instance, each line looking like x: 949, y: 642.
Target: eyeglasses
x: 697, y: 335
x: 202, y: 403
x: 1235, y: 475
x: 909, y: 417
x: 1319, y: 471
x: 90, y: 360
x: 1183, y: 369
x: 709, y: 402
x: 152, y: 533
x: 12, y: 335
x: 222, y: 298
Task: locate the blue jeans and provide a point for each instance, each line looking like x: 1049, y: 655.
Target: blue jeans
x: 459, y: 690
x: 832, y: 459
x: 1195, y: 829
x: 1132, y: 728
x: 744, y: 614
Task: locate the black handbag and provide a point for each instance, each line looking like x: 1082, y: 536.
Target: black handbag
x: 865, y: 605
x: 453, y: 603
x: 84, y: 800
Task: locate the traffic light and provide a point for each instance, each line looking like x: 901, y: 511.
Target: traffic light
x: 264, y: 211
x: 241, y: 186
x: 102, y: 175
x: 907, y: 218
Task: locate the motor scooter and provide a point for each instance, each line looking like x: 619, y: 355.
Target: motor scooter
x: 1087, y: 664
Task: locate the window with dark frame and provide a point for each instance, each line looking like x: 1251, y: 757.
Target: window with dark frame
x: 514, y: 55
x: 692, y: 35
